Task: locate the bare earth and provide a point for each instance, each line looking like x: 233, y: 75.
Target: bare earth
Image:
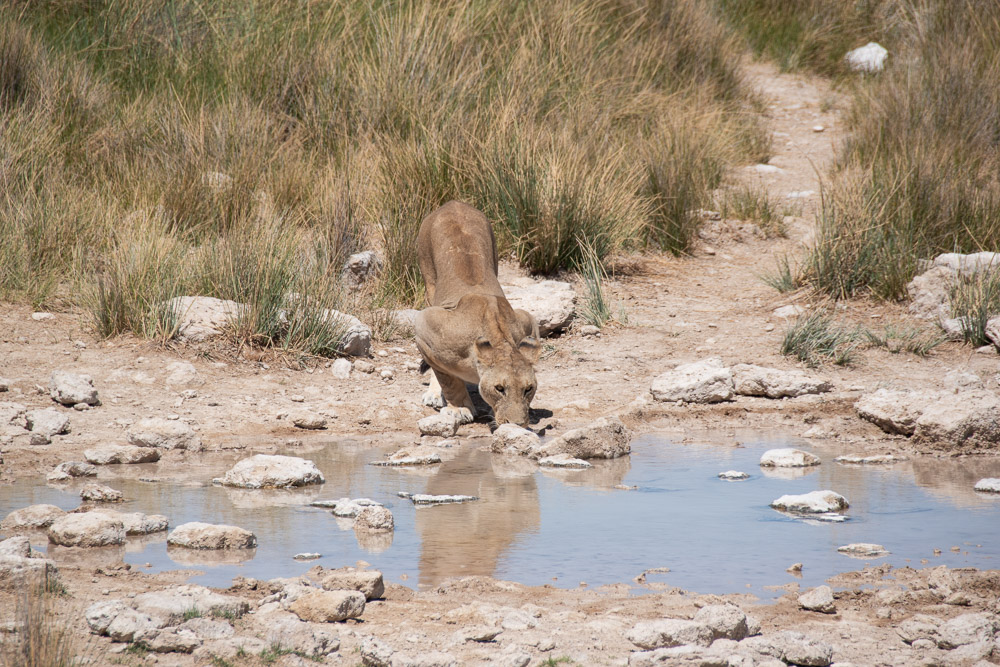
x: 679, y: 310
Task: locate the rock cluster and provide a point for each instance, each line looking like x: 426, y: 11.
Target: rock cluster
x: 711, y: 381
x: 605, y: 438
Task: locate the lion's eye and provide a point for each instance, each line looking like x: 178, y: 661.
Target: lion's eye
x: 499, y: 389
x: 528, y: 390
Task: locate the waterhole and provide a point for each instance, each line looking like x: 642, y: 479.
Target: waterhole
x: 662, y: 507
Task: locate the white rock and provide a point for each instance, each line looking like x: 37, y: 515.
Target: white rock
x: 163, y: 433
x: 563, y: 461
x: 725, y: 621
x: 988, y: 485
x: 874, y: 459
x: 788, y: 457
x: 100, y: 614
x: 69, y: 469
x: 930, y: 293
x: 814, y: 502
x: 605, y: 438
x: 669, y: 632
x: 341, y: 369
x: 98, y: 493
x: 137, y: 523
x: 328, y: 606
x: 48, y: 421
x: 360, y: 268
x: 356, y: 340
x: 42, y: 317
x: 370, y: 583
x: 791, y: 310
x: 197, y: 535
x: 512, y: 439
x: 965, y: 421
x: 170, y: 605
x: 867, y: 58
x: 202, y: 317
x: 863, y: 550
x: 970, y: 264
x: 375, y: 519
x: 750, y: 380
x: 206, y: 628
x: 706, y: 381
x: 87, y: 529
x: 168, y: 640
x: 919, y: 627
x: 19, y: 547
x: 993, y: 331
x: 553, y: 303
x: 411, y: 456
x: 375, y: 653
x: 444, y: 425
x: 117, y: 454
x: 894, y: 411
x: 309, y: 421
x: 272, y: 471
x: 967, y: 629
x: 71, y: 388
x: 33, y: 517
x: 406, y: 320
x: 430, y: 499
x: 183, y: 375
x: 797, y: 649
x: 347, y: 507
x: 734, y: 475
x: 129, y: 623
x: 819, y: 599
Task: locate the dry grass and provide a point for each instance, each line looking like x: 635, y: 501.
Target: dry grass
x: 43, y: 636
x: 186, y: 127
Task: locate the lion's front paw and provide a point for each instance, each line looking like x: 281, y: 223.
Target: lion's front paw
x: 463, y: 415
x: 433, y: 398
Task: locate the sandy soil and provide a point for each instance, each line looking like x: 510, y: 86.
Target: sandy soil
x: 712, y: 303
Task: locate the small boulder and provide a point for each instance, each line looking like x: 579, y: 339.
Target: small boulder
x: 863, y: 550
x: 341, y: 369
x: 411, y: 456
x: 444, y: 424
x: 988, y: 485
x: 814, y: 502
x: 563, y: 461
x: 819, y: 599
x: 733, y: 475
x: 874, y: 459
x: 725, y: 621
x: 98, y: 493
x: 513, y: 439
x: 271, y: 471
x: 967, y: 421
x: 163, y: 433
x: 967, y: 629
x: 137, y: 523
x: 117, y: 454
x: 606, y: 438
x: 796, y: 648
x: 71, y: 388
x: 788, y: 458
x: 669, y: 632
x: 750, y: 380
x: 170, y: 605
x: 868, y: 58
x: 70, y: 469
x: 197, y: 535
x: 202, y: 317
x: 328, y: 606
x: 367, y: 582
x: 349, y: 508
x: 356, y: 337
x: 374, y: 519
x: 360, y: 268
x: 48, y: 422
x: 310, y: 421
x: 87, y: 529
x: 894, y: 411
x: 32, y: 517
x: 13, y: 414
x: 551, y: 302
x: 706, y: 381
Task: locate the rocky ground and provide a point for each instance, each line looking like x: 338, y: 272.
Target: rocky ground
x: 680, y: 363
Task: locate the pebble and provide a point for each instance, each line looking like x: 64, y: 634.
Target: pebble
x: 818, y: 128
x: 819, y: 599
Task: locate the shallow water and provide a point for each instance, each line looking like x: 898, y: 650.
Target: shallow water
x: 564, y: 527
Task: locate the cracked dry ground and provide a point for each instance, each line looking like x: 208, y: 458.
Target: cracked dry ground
x: 712, y: 303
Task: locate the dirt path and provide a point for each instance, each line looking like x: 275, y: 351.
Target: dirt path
x: 713, y: 303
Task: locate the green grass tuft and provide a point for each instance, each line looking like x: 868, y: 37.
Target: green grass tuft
x: 814, y: 338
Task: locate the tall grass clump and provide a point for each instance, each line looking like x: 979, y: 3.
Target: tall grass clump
x: 344, y: 124
x: 920, y: 173
x: 811, y: 34
x: 42, y: 637
x: 974, y: 301
x: 595, y: 309
x: 815, y: 337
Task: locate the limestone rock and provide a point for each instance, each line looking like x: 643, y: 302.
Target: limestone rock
x: 349, y: 508
x: 375, y: 653
x: 206, y: 628
x: 930, y: 293
x: 968, y: 265
x: 129, y: 623
x: 356, y: 337
x: 553, y: 303
x: 443, y: 424
x: 32, y: 517
x: 874, y: 459
x: 863, y: 550
x: 328, y: 606
x: 202, y: 317
x: 272, y: 471
x: 788, y: 458
x: 725, y: 621
x: 957, y: 422
x: 98, y: 493
x: 988, y: 485
x: 360, y: 268
x: 163, y: 433
x: 375, y: 519
x: 116, y: 454
x: 606, y: 438
x: 868, y: 58
x: 814, y: 502
x: 733, y: 475
x: 309, y: 421
x: 512, y: 439
x: 669, y: 632
x: 70, y: 469
x: 48, y: 422
x: 968, y: 629
x: 13, y: 414
x: 563, y: 461
x: 919, y: 627
x: 197, y: 535
x: 168, y: 640
x: 894, y: 411
x: 406, y: 320
x: 87, y: 529
x: 819, y: 599
x: 71, y: 388
x: 706, y: 381
x: 750, y: 380
x: 367, y: 582
x: 432, y: 499
x: 341, y: 369
x: 100, y: 614
x: 137, y: 523
x: 170, y: 605
x: 411, y: 456
x: 797, y: 649
x: 288, y: 631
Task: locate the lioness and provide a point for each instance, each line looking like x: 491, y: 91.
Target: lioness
x: 469, y: 332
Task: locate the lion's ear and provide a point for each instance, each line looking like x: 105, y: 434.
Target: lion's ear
x: 484, y: 351
x: 530, y: 348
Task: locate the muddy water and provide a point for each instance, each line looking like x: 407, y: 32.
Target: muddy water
x: 564, y: 527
